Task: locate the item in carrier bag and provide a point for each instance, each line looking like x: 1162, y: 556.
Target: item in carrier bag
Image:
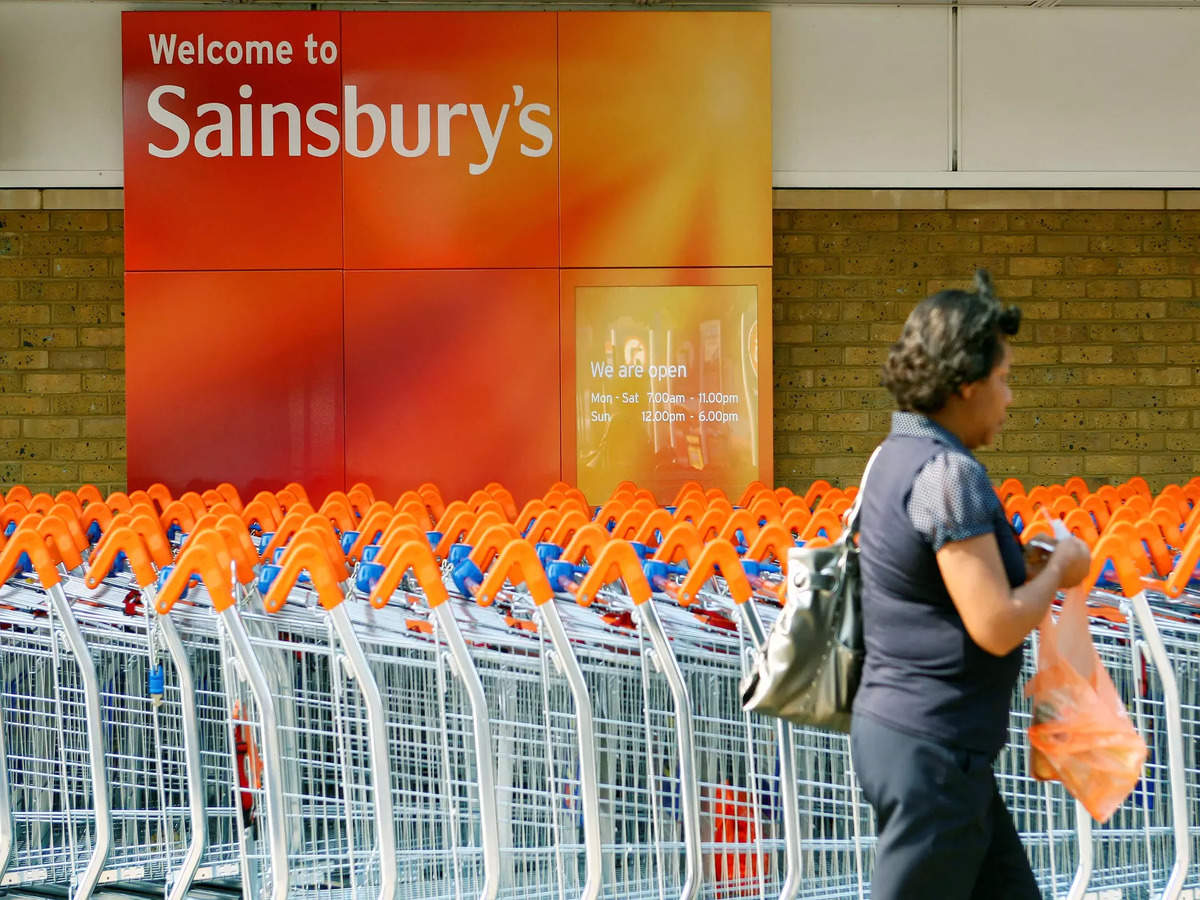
x: 1081, y: 734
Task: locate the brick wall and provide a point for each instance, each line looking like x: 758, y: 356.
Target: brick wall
x: 62, y: 357
x: 1106, y: 377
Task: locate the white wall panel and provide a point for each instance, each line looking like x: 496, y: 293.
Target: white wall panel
x: 862, y: 96
x: 60, y: 94
x: 1080, y: 90
x: 859, y: 90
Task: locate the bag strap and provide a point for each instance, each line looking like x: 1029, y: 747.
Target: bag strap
x: 850, y: 521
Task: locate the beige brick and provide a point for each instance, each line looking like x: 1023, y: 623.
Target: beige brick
x: 1138, y: 354
x: 1143, y: 265
x: 815, y: 355
x: 24, y: 359
x: 24, y: 221
x: 49, y: 290
x: 1137, y: 440
x: 99, y: 383
x: 1040, y: 442
x: 1062, y: 243
x: 20, y: 198
x: 1009, y: 243
x: 1035, y: 265
x: 90, y: 198
x: 1085, y: 441
x: 101, y: 244
x: 1114, y: 243
x: 23, y: 267
x: 1087, y: 309
x: 1034, y: 355
x: 50, y: 476
x: 793, y: 379
x: 1145, y: 309
x: 50, y: 427
x: 80, y: 267
x: 1110, y: 464
x: 865, y: 356
x: 955, y: 243
x: 1179, y: 464
x: 82, y: 450
x: 784, y: 334
x: 966, y: 266
x: 1087, y: 353
x: 52, y: 384
x: 1112, y: 375
x: 1090, y: 265
x: 1059, y: 288
x: 24, y: 448
x: 10, y: 428
x: 1163, y: 419
x: 101, y: 289
x: 81, y: 405
x: 1143, y: 221
x: 1165, y: 287
x: 813, y: 265
x: 1165, y: 332
x: 23, y: 405
x: 79, y: 313
x: 41, y: 244
x: 794, y: 288
x: 1185, y: 354
x: 79, y: 220
x: 926, y: 221
x: 1102, y: 289
x: 78, y: 359
x: 788, y: 243
x: 1172, y: 376
x: 859, y: 199
x: 97, y: 473
x: 112, y: 337
x: 49, y: 337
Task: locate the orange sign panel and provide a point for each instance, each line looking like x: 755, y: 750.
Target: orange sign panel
x: 666, y: 138
x: 450, y: 152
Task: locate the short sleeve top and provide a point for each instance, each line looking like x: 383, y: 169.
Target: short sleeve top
x: 923, y: 673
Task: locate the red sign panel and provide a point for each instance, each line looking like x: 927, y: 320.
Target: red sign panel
x: 232, y: 140
x: 234, y: 376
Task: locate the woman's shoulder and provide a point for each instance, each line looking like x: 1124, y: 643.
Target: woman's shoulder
x: 952, y: 498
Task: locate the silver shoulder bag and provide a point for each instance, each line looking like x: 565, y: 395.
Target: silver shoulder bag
x: 807, y: 671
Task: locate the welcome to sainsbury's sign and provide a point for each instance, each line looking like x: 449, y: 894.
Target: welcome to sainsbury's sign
x: 279, y: 140
x: 213, y: 128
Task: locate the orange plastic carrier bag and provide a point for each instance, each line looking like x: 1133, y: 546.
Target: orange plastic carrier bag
x: 1081, y: 734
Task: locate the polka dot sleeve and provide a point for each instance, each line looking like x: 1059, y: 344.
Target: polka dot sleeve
x: 952, y: 499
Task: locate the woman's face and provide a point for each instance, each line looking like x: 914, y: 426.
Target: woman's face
x: 988, y: 400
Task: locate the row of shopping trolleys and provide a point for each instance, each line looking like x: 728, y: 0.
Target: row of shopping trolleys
x: 421, y: 699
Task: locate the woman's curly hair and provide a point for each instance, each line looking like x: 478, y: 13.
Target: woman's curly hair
x: 951, y: 339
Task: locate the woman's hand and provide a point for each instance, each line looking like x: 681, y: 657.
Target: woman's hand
x: 1071, y: 560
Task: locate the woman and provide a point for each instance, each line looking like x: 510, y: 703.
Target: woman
x: 946, y: 608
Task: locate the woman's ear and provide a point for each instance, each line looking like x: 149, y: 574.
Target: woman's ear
x: 967, y: 391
